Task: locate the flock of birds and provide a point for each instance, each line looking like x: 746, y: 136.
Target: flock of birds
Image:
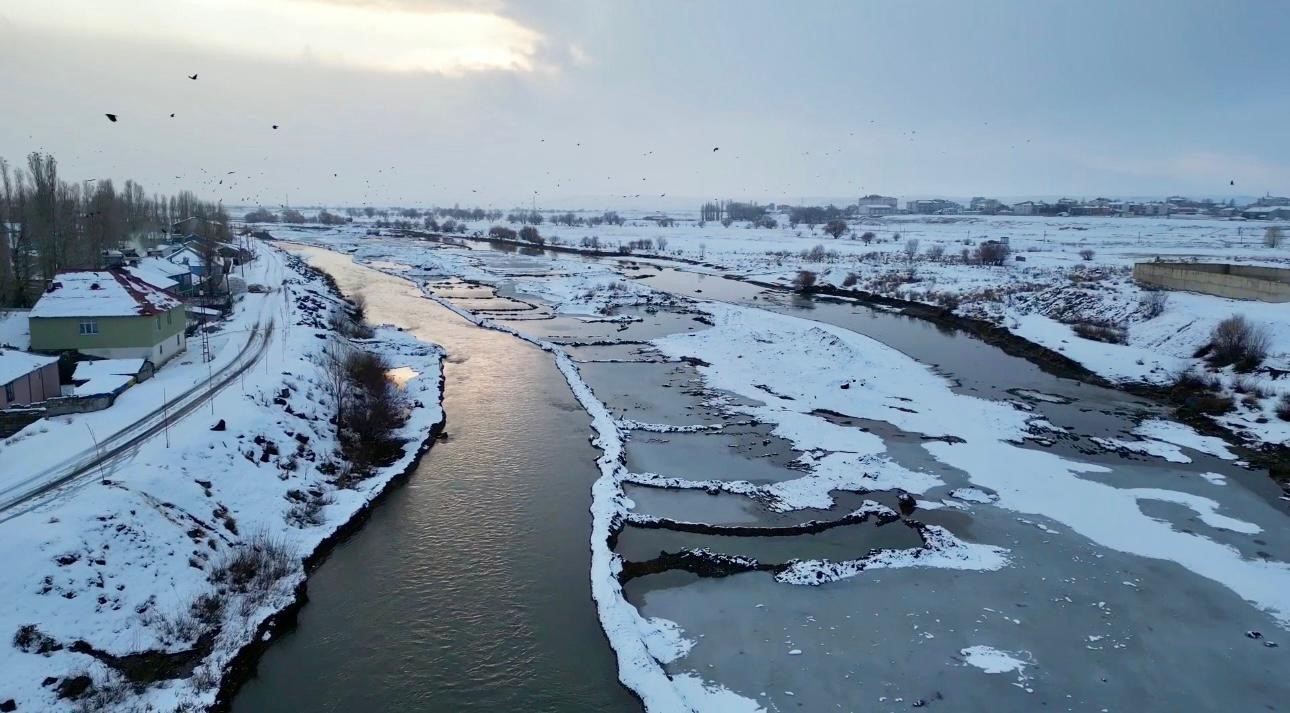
x: 114, y: 118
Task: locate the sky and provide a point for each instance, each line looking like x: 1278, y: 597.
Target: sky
x: 621, y: 103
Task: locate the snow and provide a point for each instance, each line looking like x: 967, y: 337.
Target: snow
x: 14, y: 329
x: 101, y: 294
x: 15, y: 364
x: 992, y: 660
x: 114, y: 557
x: 1184, y: 435
x: 1168, y: 451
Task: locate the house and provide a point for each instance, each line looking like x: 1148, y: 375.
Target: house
x: 874, y: 209
x: 873, y: 199
x: 109, y: 376
x: 937, y: 206
x: 163, y: 275
x: 110, y: 314
x: 1266, y: 212
x: 191, y: 259
x: 27, y: 379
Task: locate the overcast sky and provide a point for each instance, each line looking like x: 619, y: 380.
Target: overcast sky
x: 583, y: 101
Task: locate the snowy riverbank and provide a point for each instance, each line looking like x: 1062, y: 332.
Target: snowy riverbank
x: 136, y: 588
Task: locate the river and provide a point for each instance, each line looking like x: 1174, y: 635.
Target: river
x: 468, y: 589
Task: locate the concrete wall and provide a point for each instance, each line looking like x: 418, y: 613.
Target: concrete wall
x: 1239, y: 282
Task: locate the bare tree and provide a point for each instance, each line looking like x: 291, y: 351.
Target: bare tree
x: 1087, y: 254
x: 911, y: 249
x: 804, y: 281
x: 1273, y: 237
x: 867, y: 237
x: 935, y: 252
x: 835, y: 228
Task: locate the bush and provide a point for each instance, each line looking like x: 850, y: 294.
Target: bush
x: 867, y: 237
x: 804, y: 281
x: 1283, y: 407
x: 992, y: 252
x: 1238, y: 342
x: 850, y: 280
x: 1100, y: 332
x: 1087, y: 254
x: 260, y: 215
x: 502, y: 232
x: 256, y: 566
x: 935, y: 252
x: 1153, y: 302
x: 530, y: 234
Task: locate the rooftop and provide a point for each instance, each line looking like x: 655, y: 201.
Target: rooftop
x: 15, y: 364
x: 108, y: 293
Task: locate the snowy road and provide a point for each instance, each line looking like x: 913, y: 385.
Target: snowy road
x: 134, y: 423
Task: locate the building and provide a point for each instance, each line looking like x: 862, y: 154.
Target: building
x: 935, y: 206
x: 875, y: 209
x: 875, y: 199
x: 110, y: 314
x: 163, y: 275
x: 27, y: 379
x: 1266, y: 212
x: 985, y: 205
x: 1272, y: 202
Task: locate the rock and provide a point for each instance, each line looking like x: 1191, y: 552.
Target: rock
x: 221, y: 426
x: 74, y: 687
x: 49, y: 681
x: 1254, y: 634
x: 8, y: 706
x: 907, y: 503
x: 845, y: 386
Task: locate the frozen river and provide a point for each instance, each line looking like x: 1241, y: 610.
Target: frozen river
x: 1119, y: 572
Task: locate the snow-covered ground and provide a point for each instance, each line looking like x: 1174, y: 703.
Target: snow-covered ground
x: 1040, y: 298
x: 195, y: 537
x: 789, y: 372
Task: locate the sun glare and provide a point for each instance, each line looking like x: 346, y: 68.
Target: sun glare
x: 359, y: 36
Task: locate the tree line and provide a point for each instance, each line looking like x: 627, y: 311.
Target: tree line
x: 49, y: 225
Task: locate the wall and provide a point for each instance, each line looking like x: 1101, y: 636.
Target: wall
x: 36, y: 386
x: 1240, y: 282
x: 60, y: 333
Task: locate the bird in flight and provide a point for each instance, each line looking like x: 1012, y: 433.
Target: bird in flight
x: 714, y: 148
x: 172, y: 116
x: 193, y: 77
x: 111, y: 117
x: 1232, y: 182
x: 275, y: 126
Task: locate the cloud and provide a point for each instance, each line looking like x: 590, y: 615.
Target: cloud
x: 450, y: 39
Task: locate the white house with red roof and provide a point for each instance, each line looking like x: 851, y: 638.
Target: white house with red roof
x: 109, y: 313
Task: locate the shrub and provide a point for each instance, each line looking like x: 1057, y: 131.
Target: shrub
x: 502, y: 232
x: 530, y: 234
x: 867, y: 237
x: 1100, y: 332
x: 592, y: 242
x: 850, y: 280
x: 992, y: 253
x: 1283, y: 407
x: 1153, y: 302
x: 256, y: 566
x: 1087, y: 254
x: 804, y: 281
x: 936, y: 252
x: 1239, y: 342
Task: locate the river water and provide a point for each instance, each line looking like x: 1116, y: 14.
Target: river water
x: 468, y: 589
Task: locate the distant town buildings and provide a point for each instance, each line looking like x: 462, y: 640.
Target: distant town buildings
x: 1265, y: 208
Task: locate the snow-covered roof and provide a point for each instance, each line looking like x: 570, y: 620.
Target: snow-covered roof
x: 186, y: 256
x: 99, y: 368
x: 152, y: 277
x: 15, y: 364
x: 108, y: 293
x: 165, y: 267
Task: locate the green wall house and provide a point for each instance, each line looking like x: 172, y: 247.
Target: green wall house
x: 110, y: 314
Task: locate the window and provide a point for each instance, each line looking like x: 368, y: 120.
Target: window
x: 176, y: 339
x: 8, y: 392
x: 158, y: 323
x: 89, y: 326
x: 170, y: 317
